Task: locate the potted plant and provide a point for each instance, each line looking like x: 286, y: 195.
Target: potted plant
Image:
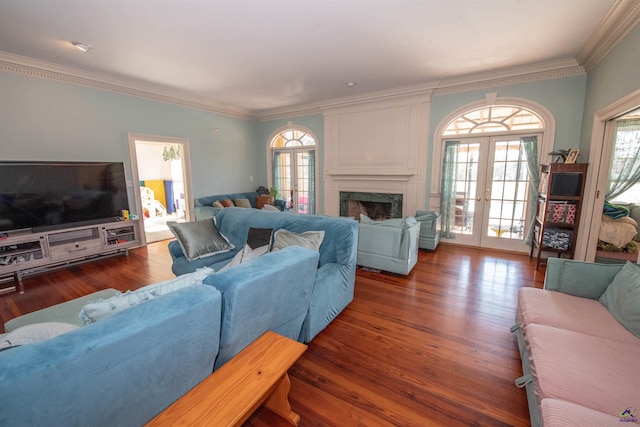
x: 273, y: 192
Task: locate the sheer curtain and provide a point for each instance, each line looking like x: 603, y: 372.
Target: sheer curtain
x: 625, y: 164
x: 448, y: 189
x: 277, y: 178
x: 312, y: 182
x: 529, y: 145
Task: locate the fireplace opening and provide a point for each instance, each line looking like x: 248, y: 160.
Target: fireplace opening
x: 377, y: 206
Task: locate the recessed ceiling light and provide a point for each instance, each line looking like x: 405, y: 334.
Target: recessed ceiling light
x: 350, y: 84
x: 82, y: 46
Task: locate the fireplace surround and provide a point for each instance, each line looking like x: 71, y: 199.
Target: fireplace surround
x: 377, y: 206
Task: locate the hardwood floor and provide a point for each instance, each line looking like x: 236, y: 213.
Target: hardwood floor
x: 432, y: 348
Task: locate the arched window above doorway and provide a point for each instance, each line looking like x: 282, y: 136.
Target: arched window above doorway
x: 292, y: 138
x: 493, y: 118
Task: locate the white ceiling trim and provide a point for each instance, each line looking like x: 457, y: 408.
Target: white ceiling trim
x: 518, y: 75
x: 49, y: 71
x: 621, y: 18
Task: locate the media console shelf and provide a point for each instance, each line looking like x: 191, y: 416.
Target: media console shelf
x: 27, y: 253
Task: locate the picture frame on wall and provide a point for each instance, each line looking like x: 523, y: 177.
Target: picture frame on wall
x: 572, y: 157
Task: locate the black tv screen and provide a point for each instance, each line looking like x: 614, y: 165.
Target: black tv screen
x: 49, y: 195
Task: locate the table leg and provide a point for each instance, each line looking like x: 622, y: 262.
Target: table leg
x: 278, y: 402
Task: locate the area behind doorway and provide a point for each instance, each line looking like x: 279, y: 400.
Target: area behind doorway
x: 161, y: 185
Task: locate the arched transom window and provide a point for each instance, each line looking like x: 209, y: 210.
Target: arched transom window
x: 496, y: 118
x: 292, y: 138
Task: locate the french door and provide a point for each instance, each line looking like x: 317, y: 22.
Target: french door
x: 294, y: 177
x: 492, y: 187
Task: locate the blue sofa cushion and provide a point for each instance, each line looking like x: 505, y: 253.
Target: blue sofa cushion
x: 622, y: 297
x: 199, y: 239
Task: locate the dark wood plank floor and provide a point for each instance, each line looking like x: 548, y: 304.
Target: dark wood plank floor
x: 432, y: 348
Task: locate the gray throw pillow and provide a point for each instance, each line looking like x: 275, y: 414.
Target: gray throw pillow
x: 200, y: 239
x: 622, y: 297
x: 308, y: 239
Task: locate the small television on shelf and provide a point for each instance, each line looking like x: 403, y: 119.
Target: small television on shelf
x: 42, y: 196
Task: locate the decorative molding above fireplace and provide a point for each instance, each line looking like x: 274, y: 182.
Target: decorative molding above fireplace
x: 379, y: 147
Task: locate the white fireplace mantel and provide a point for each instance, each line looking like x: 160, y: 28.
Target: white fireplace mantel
x: 378, y: 147
x: 369, y: 177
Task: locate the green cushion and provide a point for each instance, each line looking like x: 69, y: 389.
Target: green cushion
x: 622, y: 297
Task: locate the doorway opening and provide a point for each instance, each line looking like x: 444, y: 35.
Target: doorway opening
x: 160, y: 169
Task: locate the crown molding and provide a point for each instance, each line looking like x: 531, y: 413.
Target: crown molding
x: 50, y: 71
x: 511, y: 76
x: 422, y: 92
x: 619, y: 20
x: 473, y: 82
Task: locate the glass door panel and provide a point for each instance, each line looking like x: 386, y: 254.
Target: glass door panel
x: 293, y: 176
x: 506, y: 197
x: 491, y: 194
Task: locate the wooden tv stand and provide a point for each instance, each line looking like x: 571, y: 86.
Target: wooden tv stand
x: 26, y: 253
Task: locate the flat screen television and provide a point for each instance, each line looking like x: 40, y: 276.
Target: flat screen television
x: 41, y: 196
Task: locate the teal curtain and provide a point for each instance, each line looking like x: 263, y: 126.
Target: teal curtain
x: 625, y: 164
x: 312, y: 182
x: 529, y: 146
x: 448, y: 188
x: 277, y: 179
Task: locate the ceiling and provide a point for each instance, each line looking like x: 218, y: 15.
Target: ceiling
x: 264, y: 56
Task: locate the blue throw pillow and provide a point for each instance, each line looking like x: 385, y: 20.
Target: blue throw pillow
x: 622, y: 297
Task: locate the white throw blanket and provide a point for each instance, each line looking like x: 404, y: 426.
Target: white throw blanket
x: 618, y: 232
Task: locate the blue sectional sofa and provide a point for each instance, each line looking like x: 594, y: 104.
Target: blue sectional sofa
x: 203, y: 206
x: 119, y: 371
x: 336, y: 270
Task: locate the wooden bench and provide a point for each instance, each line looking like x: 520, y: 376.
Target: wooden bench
x: 228, y: 397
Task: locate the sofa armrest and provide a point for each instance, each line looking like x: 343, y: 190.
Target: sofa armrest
x: 579, y: 278
x: 257, y: 296
x: 280, y: 204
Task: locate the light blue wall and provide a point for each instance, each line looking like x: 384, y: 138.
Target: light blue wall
x: 314, y: 122
x: 48, y: 120
x: 615, y: 76
x: 563, y: 97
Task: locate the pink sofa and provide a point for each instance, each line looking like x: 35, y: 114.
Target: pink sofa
x: 581, y: 365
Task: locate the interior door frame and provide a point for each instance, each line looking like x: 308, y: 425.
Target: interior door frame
x: 186, y: 172
x: 599, y: 164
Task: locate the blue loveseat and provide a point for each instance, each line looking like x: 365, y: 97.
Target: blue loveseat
x: 336, y: 270
x: 203, y: 206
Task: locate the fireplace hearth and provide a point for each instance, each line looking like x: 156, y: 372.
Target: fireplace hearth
x: 377, y: 206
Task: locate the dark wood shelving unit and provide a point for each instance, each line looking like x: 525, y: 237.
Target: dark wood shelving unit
x: 560, y: 198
